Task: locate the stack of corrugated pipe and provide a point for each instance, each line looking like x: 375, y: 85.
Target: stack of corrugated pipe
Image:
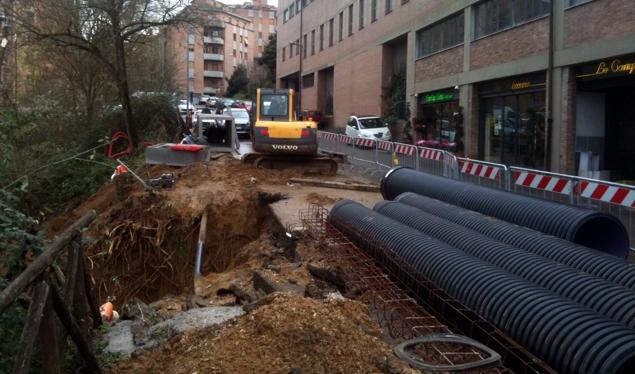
x: 553, y: 277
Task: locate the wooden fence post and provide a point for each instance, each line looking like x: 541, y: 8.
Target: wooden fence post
x: 31, y: 328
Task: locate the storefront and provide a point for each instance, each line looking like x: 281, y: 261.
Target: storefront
x: 512, y: 121
x: 605, y: 119
x: 439, y: 122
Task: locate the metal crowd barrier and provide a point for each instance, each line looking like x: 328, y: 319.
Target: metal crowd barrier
x: 377, y: 155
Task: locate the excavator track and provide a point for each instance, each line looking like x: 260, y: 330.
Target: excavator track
x: 308, y: 164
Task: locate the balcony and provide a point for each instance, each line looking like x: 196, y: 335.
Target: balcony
x: 213, y: 74
x: 213, y: 57
x: 213, y: 40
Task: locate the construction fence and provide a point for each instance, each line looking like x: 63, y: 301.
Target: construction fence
x: 378, y: 155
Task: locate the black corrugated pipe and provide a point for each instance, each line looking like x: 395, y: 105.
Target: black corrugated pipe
x: 584, y: 259
x: 586, y: 227
x: 570, y: 337
x: 609, y: 299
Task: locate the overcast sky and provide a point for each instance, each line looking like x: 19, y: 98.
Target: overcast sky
x: 270, y: 2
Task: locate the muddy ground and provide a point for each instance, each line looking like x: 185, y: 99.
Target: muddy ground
x: 141, y: 247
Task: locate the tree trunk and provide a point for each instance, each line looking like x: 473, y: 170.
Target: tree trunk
x: 122, y: 85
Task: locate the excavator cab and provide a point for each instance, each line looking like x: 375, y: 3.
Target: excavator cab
x: 279, y: 139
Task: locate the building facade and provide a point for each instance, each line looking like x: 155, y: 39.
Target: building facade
x: 263, y: 19
x: 520, y: 82
x: 208, y: 51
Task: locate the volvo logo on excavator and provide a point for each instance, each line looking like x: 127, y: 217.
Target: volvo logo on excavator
x: 282, y: 147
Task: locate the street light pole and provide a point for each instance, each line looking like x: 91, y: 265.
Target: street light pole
x: 301, y: 47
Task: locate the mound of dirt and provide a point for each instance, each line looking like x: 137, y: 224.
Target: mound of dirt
x: 289, y: 334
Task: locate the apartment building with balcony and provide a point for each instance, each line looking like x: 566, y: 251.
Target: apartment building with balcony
x: 263, y: 18
x: 207, y: 51
x: 535, y: 83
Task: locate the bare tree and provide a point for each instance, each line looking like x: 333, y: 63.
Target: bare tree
x: 102, y: 28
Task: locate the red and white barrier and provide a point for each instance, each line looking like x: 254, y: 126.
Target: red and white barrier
x: 607, y: 193
x: 542, y: 182
x: 346, y: 139
x: 384, y: 145
x: 330, y: 136
x: 362, y: 142
x: 405, y: 149
x: 479, y: 170
x: 431, y: 154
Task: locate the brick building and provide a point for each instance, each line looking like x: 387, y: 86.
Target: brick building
x: 263, y: 19
x: 477, y: 74
x: 207, y: 52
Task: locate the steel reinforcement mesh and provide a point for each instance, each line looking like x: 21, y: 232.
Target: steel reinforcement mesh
x: 408, y: 306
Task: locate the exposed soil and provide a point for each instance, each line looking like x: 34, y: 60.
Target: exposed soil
x: 319, y: 199
x: 143, y: 244
x: 290, y: 334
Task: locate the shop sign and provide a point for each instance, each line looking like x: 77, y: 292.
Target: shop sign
x: 608, y: 68
x: 503, y: 86
x: 438, y: 97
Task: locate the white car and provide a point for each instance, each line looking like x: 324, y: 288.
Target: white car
x: 368, y: 127
x: 241, y: 119
x: 183, y: 105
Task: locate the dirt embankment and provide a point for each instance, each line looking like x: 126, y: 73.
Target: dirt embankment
x: 290, y: 334
x: 142, y: 244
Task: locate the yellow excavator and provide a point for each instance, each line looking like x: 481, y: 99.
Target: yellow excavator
x: 282, y: 141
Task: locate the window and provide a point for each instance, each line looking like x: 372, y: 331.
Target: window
x: 331, y: 32
x: 495, y: 15
x: 291, y: 10
x: 350, y: 20
x: 312, y: 42
x: 441, y: 35
x: 274, y: 105
x: 297, y: 47
x: 341, y: 27
x: 321, y: 38
x: 361, y: 14
x: 373, y: 10
x: 290, y: 50
x: 285, y: 16
x: 576, y: 2
x: 284, y: 53
x: 234, y: 37
x: 304, y: 45
x: 390, y: 5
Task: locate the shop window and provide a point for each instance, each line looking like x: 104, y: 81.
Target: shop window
x: 439, y: 122
x: 514, y: 129
x: 496, y: 15
x: 442, y: 35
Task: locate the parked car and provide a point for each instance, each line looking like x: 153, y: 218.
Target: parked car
x: 183, y: 106
x: 368, y: 126
x: 241, y: 119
